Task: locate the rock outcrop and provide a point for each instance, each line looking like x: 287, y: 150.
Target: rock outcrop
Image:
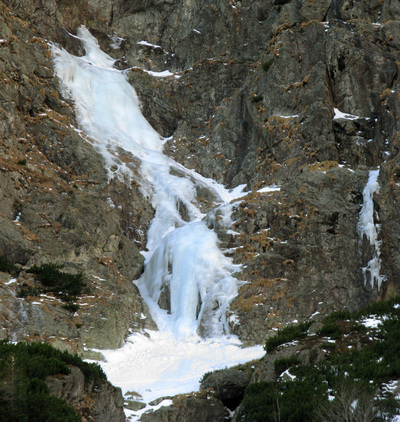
x: 59, y: 207
x: 201, y: 407
x: 228, y: 384
x: 100, y: 401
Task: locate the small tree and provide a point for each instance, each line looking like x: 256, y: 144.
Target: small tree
x: 352, y: 403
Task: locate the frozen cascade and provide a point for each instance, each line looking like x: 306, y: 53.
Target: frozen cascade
x: 108, y: 110
x: 367, y: 227
x: 184, y: 268
x: 199, y: 281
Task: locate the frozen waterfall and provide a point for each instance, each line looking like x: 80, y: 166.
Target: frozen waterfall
x: 367, y: 227
x: 183, y: 257
x: 185, y: 272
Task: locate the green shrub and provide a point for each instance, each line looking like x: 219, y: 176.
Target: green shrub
x: 93, y: 372
x: 331, y: 330
x: 205, y: 376
x: 328, y: 346
x: 256, y: 98
x: 22, y: 162
x: 43, y: 407
x: 7, y: 266
x: 268, y: 63
x: 24, y: 395
x: 362, y: 370
x: 58, y: 282
x: 40, y: 360
x: 352, y: 403
x: 40, y: 367
x: 286, y: 335
x: 29, y: 291
x: 63, y: 285
x: 337, y: 316
x: 380, y: 308
x: 38, y: 385
x: 292, y: 401
x: 281, y: 365
x: 299, y: 399
x: 72, y: 307
x: 258, y: 402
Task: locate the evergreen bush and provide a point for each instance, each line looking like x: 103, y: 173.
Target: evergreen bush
x: 364, y: 371
x: 331, y: 330
x: 24, y: 396
x: 286, y: 335
x: 268, y: 63
x: 29, y: 291
x: 257, y: 98
x: 58, y: 282
x: 65, y: 286
x: 337, y: 316
x: 7, y: 266
x: 281, y: 365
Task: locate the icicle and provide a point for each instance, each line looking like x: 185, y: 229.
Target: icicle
x: 198, y: 276
x: 368, y: 228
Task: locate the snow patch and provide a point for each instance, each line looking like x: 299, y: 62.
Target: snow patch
x: 371, y: 322
x: 161, y: 74
x: 147, y: 44
x: 157, y: 364
x: 340, y: 115
x: 268, y: 189
x: 11, y: 281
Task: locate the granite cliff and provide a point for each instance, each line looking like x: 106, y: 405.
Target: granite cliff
x: 301, y: 94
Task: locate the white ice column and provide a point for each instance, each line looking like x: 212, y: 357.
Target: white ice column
x: 370, y: 229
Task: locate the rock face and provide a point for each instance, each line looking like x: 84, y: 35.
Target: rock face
x: 201, y: 407
x: 59, y: 207
x: 100, y: 402
x: 298, y: 94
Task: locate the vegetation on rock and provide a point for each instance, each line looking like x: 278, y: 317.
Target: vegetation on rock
x: 7, y: 266
x: 24, y: 395
x: 361, y: 364
x: 63, y: 285
x: 290, y: 333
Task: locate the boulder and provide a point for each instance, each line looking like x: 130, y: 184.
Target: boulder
x: 228, y: 384
x: 200, y: 407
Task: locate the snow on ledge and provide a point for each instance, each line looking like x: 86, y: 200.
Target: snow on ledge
x: 162, y: 74
x: 147, y: 44
x: 340, y: 115
x: 292, y: 116
x: 268, y: 189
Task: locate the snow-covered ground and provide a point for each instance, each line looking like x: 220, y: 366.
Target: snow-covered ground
x: 160, y: 365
